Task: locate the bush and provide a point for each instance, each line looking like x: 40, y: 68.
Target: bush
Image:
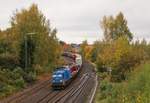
x: 18, y: 73
x: 30, y: 76
x: 138, y: 88
x: 106, y: 88
x: 6, y: 90
x: 38, y: 69
x: 11, y: 80
x: 19, y: 83
x: 134, y: 90
x: 8, y: 60
x: 103, y: 75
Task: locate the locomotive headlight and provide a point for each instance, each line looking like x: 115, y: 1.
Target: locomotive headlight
x: 53, y: 76
x: 59, y: 75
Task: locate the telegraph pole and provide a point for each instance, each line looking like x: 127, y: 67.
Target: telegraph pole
x: 26, y: 48
x: 26, y: 52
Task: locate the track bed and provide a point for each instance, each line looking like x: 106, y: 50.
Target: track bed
x: 78, y: 91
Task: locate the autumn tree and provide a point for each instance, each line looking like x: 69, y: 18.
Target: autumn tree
x: 8, y: 59
x: 97, y: 49
x: 115, y: 27
x: 6, y: 41
x: 31, y: 26
x: 82, y: 48
x: 116, y: 56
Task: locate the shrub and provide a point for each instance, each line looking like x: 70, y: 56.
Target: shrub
x: 8, y: 60
x: 106, y: 88
x: 11, y: 80
x: 103, y: 75
x: 30, y: 76
x: 134, y: 90
x: 38, y: 69
x: 18, y: 73
x: 6, y: 90
x: 19, y: 83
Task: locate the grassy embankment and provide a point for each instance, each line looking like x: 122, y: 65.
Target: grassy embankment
x: 136, y: 89
x: 17, y: 79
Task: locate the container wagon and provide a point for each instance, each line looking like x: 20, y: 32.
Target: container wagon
x: 78, y: 61
x: 74, y: 70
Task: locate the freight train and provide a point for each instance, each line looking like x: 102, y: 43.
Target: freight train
x: 62, y: 76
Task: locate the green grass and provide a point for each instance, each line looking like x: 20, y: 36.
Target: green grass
x: 136, y: 89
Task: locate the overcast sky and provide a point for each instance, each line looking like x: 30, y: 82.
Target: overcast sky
x: 78, y: 20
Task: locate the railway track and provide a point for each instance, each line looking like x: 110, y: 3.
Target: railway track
x: 26, y: 93
x: 71, y: 91
x: 71, y: 96
x: 76, y: 92
x: 52, y: 95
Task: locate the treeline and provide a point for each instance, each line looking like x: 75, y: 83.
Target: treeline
x: 116, y: 52
x: 27, y: 48
x: 116, y: 56
x: 120, y: 57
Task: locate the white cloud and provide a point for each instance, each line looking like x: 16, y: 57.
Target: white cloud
x: 80, y: 18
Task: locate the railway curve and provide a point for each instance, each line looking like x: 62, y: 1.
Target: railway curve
x: 79, y: 90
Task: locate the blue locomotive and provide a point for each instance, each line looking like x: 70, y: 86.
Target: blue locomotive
x: 61, y: 77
